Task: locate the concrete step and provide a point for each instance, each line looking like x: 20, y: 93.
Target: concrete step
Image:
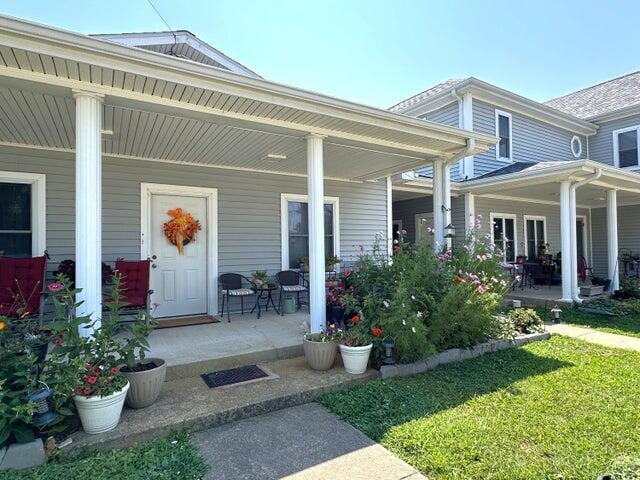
x: 197, y: 368
x: 188, y: 402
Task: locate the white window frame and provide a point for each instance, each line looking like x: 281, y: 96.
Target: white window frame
x: 492, y: 217
x: 499, y: 113
x: 285, y: 198
x: 616, y: 153
x: 38, y: 183
x: 576, y: 154
x: 526, y: 236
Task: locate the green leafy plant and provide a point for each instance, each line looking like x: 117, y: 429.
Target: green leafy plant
x: 261, y: 276
x: 525, y: 320
x: 331, y: 261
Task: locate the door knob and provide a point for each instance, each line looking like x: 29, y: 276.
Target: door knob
x: 153, y: 257
x: 153, y: 265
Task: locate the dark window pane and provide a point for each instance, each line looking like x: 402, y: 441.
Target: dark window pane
x: 509, y: 229
x: 298, y: 218
x: 299, y: 228
x: 531, y: 240
x: 628, y: 148
x: 503, y: 133
x: 298, y: 247
x: 497, y: 229
x: 328, y: 218
x: 540, y: 231
x: 15, y: 244
x: 15, y: 206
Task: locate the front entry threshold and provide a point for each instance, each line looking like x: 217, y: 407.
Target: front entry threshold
x: 185, y: 321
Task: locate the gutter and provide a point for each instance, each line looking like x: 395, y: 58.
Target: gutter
x: 572, y: 196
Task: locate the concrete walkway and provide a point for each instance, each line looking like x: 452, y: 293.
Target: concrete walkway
x: 596, y: 336
x: 299, y: 443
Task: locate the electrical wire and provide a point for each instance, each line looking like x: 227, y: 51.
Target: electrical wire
x: 175, y: 38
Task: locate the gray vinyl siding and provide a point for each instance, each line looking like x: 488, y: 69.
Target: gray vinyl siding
x: 406, y: 211
x: 533, y: 140
x: 628, y: 235
x: 458, y: 220
x: 486, y: 206
x: 447, y: 115
x: 601, y: 144
x: 249, y: 233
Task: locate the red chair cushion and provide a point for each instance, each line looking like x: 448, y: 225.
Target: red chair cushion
x: 21, y: 282
x: 135, y: 281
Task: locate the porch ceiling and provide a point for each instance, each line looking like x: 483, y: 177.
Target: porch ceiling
x: 165, y: 108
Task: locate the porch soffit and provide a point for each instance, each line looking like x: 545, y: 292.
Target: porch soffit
x: 39, y: 67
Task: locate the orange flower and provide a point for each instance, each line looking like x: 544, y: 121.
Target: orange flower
x: 2, y: 326
x: 355, y: 319
x: 458, y: 280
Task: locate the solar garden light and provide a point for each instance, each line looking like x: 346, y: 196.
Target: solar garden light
x: 388, y: 344
x: 555, y: 314
x: 44, y: 414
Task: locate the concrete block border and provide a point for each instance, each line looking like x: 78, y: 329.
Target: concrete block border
x: 457, y: 355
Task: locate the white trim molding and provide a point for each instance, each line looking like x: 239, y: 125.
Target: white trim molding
x: 285, y: 198
x: 514, y: 217
x: 616, y: 152
x: 526, y: 236
x: 211, y: 196
x: 577, y: 151
x: 498, y: 114
x: 38, y: 183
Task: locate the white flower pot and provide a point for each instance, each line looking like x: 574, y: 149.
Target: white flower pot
x: 100, y: 414
x: 355, y: 359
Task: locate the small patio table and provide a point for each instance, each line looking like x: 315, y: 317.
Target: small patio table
x: 265, y: 292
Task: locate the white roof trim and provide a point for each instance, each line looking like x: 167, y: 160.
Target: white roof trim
x: 502, y: 98
x: 181, y: 36
x: 616, y: 114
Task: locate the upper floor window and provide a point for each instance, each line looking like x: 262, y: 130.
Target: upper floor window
x: 625, y: 147
x: 503, y: 131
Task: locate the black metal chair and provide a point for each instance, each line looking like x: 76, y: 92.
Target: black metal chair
x: 291, y: 281
x: 235, y: 285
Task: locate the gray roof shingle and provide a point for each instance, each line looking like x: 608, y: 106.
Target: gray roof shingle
x: 602, y: 98
x: 446, y: 85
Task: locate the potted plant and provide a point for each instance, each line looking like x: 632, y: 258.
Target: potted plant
x: 320, y: 348
x: 87, y: 369
x: 331, y: 261
x: 304, y: 264
x: 355, y: 348
x: 260, y: 278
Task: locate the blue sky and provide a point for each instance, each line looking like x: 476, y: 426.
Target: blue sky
x: 379, y: 52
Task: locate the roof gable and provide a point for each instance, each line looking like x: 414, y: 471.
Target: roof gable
x: 181, y: 44
x: 600, y: 99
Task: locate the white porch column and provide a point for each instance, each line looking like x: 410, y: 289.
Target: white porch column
x: 575, y: 290
x: 446, y: 193
x: 390, y: 217
x: 89, y: 205
x: 612, y: 238
x: 438, y: 201
x: 565, y: 235
x: 315, y: 186
x: 469, y: 213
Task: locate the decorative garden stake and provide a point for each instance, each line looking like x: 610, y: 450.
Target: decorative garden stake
x: 555, y: 314
x: 44, y: 414
x: 389, y: 345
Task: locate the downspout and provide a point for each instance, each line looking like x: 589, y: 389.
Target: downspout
x: 574, y: 264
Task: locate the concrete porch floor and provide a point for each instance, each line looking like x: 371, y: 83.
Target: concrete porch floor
x: 543, y: 296
x: 192, y: 350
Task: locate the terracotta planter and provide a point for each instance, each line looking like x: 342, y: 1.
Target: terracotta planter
x: 320, y: 355
x: 100, y: 414
x: 355, y: 359
x: 146, y: 385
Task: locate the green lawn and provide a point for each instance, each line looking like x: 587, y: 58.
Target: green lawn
x: 622, y: 325
x: 173, y: 458
x: 560, y: 409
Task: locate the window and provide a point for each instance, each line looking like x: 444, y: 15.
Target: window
x: 576, y: 146
x: 295, y: 229
x: 503, y: 234
x: 625, y: 147
x: 503, y: 131
x: 535, y: 232
x: 22, y: 222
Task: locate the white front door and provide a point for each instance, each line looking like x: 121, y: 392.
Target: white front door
x: 179, y: 281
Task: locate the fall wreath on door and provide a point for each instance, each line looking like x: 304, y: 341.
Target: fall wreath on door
x: 181, y: 229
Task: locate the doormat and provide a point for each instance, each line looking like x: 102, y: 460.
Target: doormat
x: 186, y: 321
x: 234, y: 376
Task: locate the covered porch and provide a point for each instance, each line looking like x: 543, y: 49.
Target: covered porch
x: 109, y: 137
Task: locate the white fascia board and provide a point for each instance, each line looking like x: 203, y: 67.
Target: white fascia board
x: 504, y: 99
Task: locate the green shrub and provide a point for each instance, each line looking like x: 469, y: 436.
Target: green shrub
x: 525, y: 320
x: 626, y: 468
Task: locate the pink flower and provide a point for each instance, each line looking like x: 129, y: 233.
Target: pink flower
x: 55, y: 287
x: 347, y: 272
x: 114, y: 370
x: 58, y: 341
x: 92, y: 380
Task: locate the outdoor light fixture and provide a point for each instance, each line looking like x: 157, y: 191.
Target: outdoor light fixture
x: 44, y: 414
x: 388, y: 344
x: 444, y: 208
x: 555, y: 314
x: 449, y: 231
